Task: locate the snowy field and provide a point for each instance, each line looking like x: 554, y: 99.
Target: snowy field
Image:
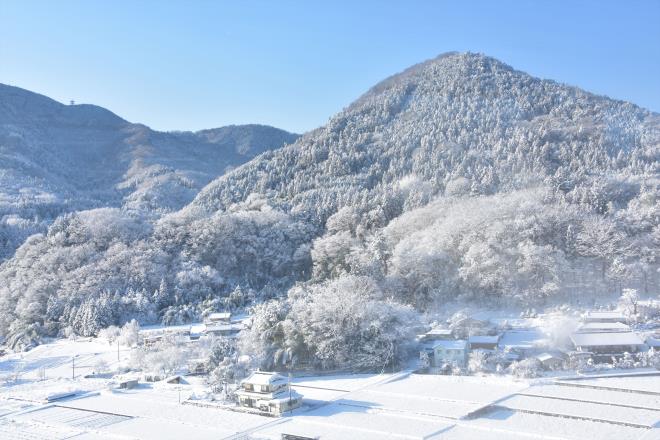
x: 623, y: 406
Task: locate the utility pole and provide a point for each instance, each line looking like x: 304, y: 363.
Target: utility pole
x: 289, y: 383
x: 73, y: 367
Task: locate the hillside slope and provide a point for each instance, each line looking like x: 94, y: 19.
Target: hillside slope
x: 458, y: 179
x: 57, y: 158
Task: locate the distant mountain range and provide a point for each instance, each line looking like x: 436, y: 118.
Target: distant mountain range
x: 57, y: 158
x: 457, y: 179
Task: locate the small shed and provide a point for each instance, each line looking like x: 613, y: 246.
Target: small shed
x: 437, y: 334
x: 551, y: 361
x: 484, y: 342
x: 450, y: 352
x: 218, y: 317
x: 128, y: 384
x: 604, y: 316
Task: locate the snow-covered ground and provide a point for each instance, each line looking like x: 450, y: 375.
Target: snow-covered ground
x: 616, y: 406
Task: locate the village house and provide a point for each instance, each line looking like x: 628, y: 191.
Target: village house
x: 268, y: 392
x: 227, y: 330
x: 218, y: 318
x: 453, y: 353
x: 551, y: 361
x: 484, y: 342
x: 436, y: 334
x: 603, y: 327
x: 605, y: 345
x: 604, y: 316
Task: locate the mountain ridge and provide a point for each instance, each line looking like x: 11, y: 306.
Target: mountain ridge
x: 461, y: 179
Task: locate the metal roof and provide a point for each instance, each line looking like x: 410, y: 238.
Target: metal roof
x: 605, y: 339
x: 589, y: 327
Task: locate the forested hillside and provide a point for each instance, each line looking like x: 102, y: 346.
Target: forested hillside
x: 57, y: 158
x: 458, y: 179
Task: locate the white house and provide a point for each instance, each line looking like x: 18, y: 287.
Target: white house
x: 450, y: 352
x: 268, y: 392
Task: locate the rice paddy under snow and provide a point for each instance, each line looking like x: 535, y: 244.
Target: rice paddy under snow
x: 365, y: 406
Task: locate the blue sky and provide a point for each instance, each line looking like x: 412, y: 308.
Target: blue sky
x: 292, y: 64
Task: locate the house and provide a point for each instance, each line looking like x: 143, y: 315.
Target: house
x: 605, y: 345
x: 437, y: 334
x: 217, y: 318
x: 604, y: 316
x: 602, y: 327
x: 196, y: 331
x: 128, y: 384
x: 453, y: 352
x: 484, y: 342
x: 150, y: 341
x: 551, y: 361
x: 523, y: 341
x: 228, y: 330
x: 268, y: 392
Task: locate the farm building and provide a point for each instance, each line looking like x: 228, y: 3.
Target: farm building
x: 604, y: 316
x: 607, y: 344
x: 268, y: 392
x: 437, y: 334
x: 602, y: 327
x: 450, y: 352
x: 551, y: 361
x: 217, y: 318
x: 128, y: 384
x: 484, y: 342
x: 229, y: 330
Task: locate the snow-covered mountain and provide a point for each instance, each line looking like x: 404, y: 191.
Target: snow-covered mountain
x: 57, y: 158
x: 457, y: 178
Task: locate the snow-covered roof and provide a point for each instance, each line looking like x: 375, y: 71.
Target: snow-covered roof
x: 523, y: 339
x: 605, y: 339
x: 589, y: 327
x: 223, y: 327
x: 547, y: 356
x: 264, y: 378
x: 439, y: 332
x: 484, y: 339
x: 609, y: 315
x: 653, y: 342
x: 197, y: 328
x: 455, y: 344
x: 218, y: 316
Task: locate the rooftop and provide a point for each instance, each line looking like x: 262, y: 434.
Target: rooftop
x: 484, y: 339
x: 594, y: 315
x: 455, y: 344
x: 605, y: 339
x: 265, y: 378
x: 219, y: 316
x: 589, y: 327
